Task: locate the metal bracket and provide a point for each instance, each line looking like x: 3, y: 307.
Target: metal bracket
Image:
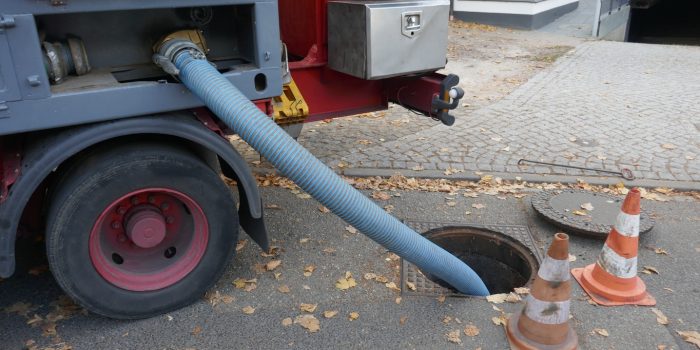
x: 58, y: 2
x: 6, y: 22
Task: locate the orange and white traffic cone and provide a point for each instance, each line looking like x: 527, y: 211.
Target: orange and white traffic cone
x: 543, y: 322
x: 613, y: 279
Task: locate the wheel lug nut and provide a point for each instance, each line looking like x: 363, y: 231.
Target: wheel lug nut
x: 122, y: 238
x: 170, y: 219
x: 116, y: 225
x: 165, y: 206
x: 121, y: 210
x: 151, y: 199
x: 134, y: 200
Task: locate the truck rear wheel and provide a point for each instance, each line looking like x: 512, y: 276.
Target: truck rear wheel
x: 138, y: 230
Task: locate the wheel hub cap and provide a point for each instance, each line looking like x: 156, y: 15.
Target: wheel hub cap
x: 146, y: 228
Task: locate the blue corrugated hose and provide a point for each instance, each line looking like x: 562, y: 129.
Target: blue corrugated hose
x: 295, y: 162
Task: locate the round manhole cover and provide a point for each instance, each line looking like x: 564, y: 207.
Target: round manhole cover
x: 502, y: 262
x: 565, y: 210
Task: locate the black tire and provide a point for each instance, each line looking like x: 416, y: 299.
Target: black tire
x: 88, y: 187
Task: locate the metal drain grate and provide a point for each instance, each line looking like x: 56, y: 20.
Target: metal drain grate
x: 426, y: 287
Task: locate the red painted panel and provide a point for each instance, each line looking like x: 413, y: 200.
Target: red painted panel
x: 303, y: 25
x: 331, y: 94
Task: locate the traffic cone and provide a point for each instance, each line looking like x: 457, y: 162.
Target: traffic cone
x: 543, y: 322
x: 613, y: 279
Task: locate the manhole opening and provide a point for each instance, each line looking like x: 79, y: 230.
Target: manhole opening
x: 502, y: 262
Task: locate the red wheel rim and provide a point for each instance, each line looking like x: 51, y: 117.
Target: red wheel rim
x: 148, y: 239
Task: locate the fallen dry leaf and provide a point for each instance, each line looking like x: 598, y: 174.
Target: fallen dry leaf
x: 287, y: 322
x: 241, y: 244
x: 600, y: 331
x: 389, y: 208
x: 572, y: 258
x: 19, y: 308
x: 304, y: 240
x: 311, y: 323
x: 392, y: 285
x: 497, y: 298
x: 353, y: 316
x: 272, y: 206
x: 580, y: 212
x: 513, y: 298
x: 34, y: 320
x: 499, y: 320
x: 310, y: 308
x: 660, y: 251
x: 38, y: 270
x: 382, y: 196
x: 522, y: 290
x: 471, y: 330
x: 309, y: 269
x: 454, y: 337
x: 403, y: 320
x: 650, y: 270
x: 330, y: 313
x: 272, y: 252
x: 283, y: 288
x: 478, y: 206
x: 691, y: 337
x: 196, y: 330
x: 397, y: 300
x: 248, y: 310
x: 381, y: 279
x: 273, y: 265
x: 587, y: 206
x: 304, y: 195
x: 660, y: 317
x: 441, y: 299
x: 214, y: 298
x: 49, y: 329
x: 351, y: 229
x: 668, y: 146
x: 324, y: 209
x: 345, y: 283
x: 369, y: 276
x: 411, y: 285
x: 446, y: 320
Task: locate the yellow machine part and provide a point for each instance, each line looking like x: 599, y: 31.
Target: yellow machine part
x: 290, y: 107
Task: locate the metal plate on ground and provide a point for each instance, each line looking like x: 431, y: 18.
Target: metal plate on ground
x: 426, y: 287
x: 558, y: 207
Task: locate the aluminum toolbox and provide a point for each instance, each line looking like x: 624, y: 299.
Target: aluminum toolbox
x: 379, y: 39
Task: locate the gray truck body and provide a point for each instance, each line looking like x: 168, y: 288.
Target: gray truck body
x: 118, y: 35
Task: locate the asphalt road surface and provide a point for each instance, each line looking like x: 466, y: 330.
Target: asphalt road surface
x: 306, y: 236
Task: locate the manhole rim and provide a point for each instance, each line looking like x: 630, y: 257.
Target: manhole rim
x: 533, y: 251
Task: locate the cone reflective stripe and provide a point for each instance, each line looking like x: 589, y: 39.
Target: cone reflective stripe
x: 613, y: 279
x: 543, y: 322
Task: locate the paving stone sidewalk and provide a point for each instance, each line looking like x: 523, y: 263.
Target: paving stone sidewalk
x: 605, y: 105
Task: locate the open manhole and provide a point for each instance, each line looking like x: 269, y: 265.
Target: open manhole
x: 503, y: 261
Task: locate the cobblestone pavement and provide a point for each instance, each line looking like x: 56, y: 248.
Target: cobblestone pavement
x: 606, y: 105
x: 492, y: 62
